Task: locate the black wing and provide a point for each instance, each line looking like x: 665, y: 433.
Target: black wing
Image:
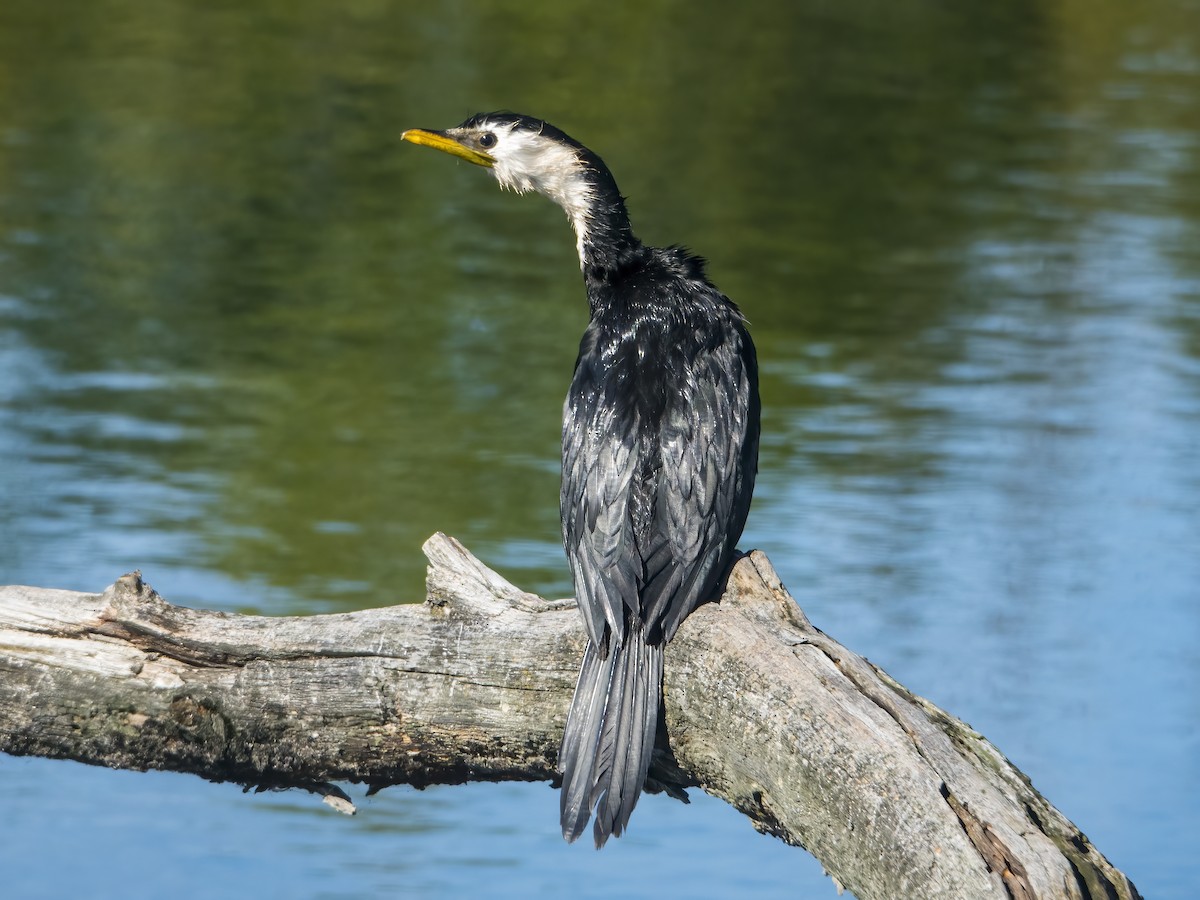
x: 602, y: 455
x: 657, y: 482
x: 709, y: 452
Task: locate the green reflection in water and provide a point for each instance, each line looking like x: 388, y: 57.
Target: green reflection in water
x: 351, y: 345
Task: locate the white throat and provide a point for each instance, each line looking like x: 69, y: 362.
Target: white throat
x: 529, y: 162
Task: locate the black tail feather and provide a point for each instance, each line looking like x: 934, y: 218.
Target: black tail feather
x: 609, y: 736
x: 577, y: 759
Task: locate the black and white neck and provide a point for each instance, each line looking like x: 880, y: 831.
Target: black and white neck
x: 527, y: 154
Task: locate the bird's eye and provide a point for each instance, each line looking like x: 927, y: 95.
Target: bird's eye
x: 487, y: 140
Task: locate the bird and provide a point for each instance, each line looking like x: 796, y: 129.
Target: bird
x: 660, y: 439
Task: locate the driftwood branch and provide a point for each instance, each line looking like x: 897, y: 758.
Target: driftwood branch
x: 895, y: 797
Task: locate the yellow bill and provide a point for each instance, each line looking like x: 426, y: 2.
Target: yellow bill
x: 439, y: 141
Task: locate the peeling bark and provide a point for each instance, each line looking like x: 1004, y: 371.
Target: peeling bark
x: 896, y: 798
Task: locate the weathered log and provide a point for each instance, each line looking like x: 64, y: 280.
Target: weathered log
x: 895, y: 797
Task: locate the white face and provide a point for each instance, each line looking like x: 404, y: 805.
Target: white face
x: 527, y: 161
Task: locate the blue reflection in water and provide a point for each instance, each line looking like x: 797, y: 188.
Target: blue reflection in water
x: 131, y: 835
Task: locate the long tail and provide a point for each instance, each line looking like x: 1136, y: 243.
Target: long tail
x: 609, y: 736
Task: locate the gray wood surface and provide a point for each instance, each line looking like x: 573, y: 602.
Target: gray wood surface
x: 895, y: 797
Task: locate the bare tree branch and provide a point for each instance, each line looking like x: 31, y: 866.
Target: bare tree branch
x: 895, y: 797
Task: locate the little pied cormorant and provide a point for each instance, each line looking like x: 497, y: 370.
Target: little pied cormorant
x: 659, y: 453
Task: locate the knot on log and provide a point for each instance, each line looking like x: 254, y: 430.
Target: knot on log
x: 135, y: 613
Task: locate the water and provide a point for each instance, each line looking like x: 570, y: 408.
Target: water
x: 254, y: 346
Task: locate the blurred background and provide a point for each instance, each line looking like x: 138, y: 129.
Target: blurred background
x: 256, y: 347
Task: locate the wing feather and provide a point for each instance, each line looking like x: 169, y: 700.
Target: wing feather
x: 709, y: 451
x: 600, y: 460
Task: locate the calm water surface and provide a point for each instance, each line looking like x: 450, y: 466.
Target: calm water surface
x: 255, y: 347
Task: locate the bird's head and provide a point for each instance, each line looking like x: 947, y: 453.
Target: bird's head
x: 528, y: 154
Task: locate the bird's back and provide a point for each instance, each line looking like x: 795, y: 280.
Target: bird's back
x: 660, y: 444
